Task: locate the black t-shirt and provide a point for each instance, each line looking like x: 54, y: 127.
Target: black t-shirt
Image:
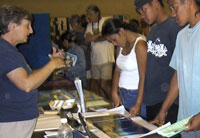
x: 161, y: 43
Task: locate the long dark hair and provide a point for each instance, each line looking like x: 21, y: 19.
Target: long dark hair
x: 112, y: 26
x: 95, y: 9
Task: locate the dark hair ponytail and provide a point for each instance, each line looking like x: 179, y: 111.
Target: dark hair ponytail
x: 112, y: 26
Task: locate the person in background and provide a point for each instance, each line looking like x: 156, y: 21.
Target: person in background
x: 18, y: 83
x: 185, y: 60
x: 78, y: 30
x: 161, y: 43
x: 129, y: 75
x: 84, y: 21
x: 102, y: 53
x: 75, y: 58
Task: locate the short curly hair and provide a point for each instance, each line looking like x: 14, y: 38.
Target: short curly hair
x: 12, y: 14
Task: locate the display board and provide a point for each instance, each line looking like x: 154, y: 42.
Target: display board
x: 38, y: 47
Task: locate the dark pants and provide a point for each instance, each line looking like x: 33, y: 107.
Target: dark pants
x: 153, y: 110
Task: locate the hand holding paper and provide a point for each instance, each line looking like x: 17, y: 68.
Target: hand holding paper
x: 175, y: 128
x: 194, y: 123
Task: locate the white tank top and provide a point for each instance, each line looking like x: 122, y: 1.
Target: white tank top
x: 129, y: 76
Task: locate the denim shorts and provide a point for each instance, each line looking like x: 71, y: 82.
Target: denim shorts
x: 129, y: 98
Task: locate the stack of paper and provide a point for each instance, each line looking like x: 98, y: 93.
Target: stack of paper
x: 78, y: 85
x: 47, y: 122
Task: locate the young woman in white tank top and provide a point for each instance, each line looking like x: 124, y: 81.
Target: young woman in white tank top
x: 129, y: 75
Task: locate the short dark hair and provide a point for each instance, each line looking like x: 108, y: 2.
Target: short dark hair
x: 140, y: 3
x: 197, y: 2
x: 67, y: 36
x: 12, y: 14
x: 198, y: 5
x: 75, y: 19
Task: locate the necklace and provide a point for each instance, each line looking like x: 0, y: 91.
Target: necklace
x: 127, y: 49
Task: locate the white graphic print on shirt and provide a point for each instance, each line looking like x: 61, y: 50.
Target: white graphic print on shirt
x: 157, y: 48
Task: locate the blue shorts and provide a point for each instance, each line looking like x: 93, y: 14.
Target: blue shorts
x: 129, y: 98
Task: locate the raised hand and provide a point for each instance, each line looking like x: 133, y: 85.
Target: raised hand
x: 60, y: 54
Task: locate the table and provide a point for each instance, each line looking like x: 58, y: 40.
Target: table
x: 41, y: 135
x: 51, y: 87
x: 97, y: 133
x: 61, y: 83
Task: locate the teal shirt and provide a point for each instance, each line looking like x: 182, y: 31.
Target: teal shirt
x: 186, y: 61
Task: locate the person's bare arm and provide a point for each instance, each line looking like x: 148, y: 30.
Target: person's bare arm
x: 100, y: 38
x: 141, y: 54
x: 169, y: 100
x: 90, y: 37
x: 28, y: 82
x: 115, y: 95
x: 94, y: 38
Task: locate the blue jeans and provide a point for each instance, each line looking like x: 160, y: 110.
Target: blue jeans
x: 129, y: 98
x: 192, y: 134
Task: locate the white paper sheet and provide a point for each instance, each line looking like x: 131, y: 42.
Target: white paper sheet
x: 47, y: 122
x: 79, y: 88
x: 156, y: 130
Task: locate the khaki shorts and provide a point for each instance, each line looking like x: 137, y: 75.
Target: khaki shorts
x: 103, y: 71
x: 19, y: 129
